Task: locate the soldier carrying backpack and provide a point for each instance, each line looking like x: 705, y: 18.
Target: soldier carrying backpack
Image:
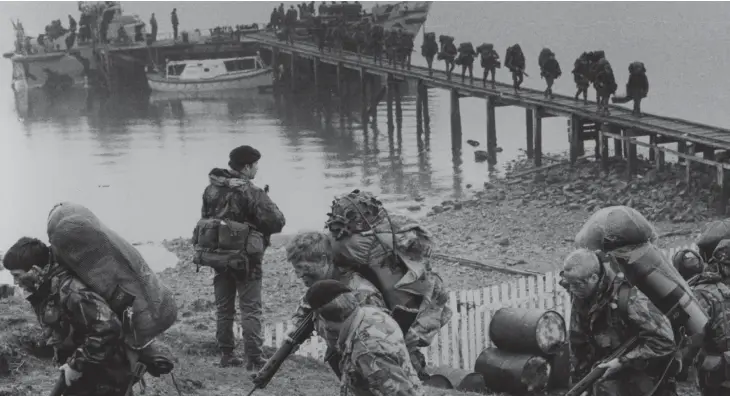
x: 514, y: 60
x: 490, y: 61
x: 99, y: 300
x: 238, y: 218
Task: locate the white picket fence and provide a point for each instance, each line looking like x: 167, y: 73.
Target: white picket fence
x: 467, y: 334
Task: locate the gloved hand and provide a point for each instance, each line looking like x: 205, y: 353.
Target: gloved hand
x: 70, y: 374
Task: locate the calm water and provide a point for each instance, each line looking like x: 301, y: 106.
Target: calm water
x: 141, y: 163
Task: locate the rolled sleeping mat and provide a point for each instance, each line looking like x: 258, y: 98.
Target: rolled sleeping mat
x: 511, y: 372
x: 528, y: 330
x: 647, y: 268
x: 445, y: 377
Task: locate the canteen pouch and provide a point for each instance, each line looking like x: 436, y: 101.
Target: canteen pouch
x: 712, y: 370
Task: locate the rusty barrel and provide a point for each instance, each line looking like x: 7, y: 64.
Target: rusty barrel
x: 512, y: 372
x: 445, y: 377
x: 525, y: 330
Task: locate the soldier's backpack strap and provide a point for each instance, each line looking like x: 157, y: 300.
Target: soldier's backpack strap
x: 624, y: 292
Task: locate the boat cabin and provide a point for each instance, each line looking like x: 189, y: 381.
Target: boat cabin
x: 202, y: 69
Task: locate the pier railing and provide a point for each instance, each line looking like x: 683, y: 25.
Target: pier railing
x: 460, y: 342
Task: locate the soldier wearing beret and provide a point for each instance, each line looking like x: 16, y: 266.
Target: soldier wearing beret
x: 374, y: 357
x: 232, y: 196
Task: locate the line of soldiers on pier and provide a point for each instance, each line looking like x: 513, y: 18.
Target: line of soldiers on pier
x: 397, y: 45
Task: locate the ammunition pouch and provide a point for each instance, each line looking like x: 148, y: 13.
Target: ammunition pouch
x: 714, y: 371
x: 223, y: 244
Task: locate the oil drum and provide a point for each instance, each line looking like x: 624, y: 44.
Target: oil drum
x: 445, y: 377
x: 651, y: 272
x: 512, y: 372
x: 525, y: 330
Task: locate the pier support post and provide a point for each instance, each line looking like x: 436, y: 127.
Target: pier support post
x: 424, y: 102
x: 660, y: 160
x: 419, y: 104
x: 652, y: 154
x: 364, y: 94
x: 529, y: 125
x: 632, y: 160
x: 603, y: 139
x: 389, y: 101
x: 688, y: 167
x: 724, y: 179
x: 618, y: 144
x: 576, y: 138
x: 491, y: 130
x: 398, y: 106
x: 708, y: 153
x: 316, y: 74
x: 339, y: 78
x: 682, y: 148
x: 455, y: 113
x: 293, y: 70
x: 537, y: 132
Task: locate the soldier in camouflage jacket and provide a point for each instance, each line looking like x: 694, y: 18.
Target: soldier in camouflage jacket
x: 84, y: 332
x: 598, y: 327
x: 310, y: 253
x: 375, y: 360
x: 232, y: 195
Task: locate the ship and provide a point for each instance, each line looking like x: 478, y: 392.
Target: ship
x: 407, y: 17
x: 65, y: 57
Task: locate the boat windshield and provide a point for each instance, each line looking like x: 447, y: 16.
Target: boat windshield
x: 175, y: 70
x: 240, y: 64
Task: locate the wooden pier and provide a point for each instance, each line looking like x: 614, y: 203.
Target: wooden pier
x: 584, y: 123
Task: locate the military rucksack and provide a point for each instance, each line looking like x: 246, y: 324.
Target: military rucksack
x: 223, y: 244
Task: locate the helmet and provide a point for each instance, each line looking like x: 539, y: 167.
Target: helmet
x: 354, y: 213
x: 688, y: 263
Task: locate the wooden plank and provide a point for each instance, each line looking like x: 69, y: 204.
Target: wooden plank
x: 472, y: 331
x: 454, y: 331
x: 668, y: 150
x: 464, y: 331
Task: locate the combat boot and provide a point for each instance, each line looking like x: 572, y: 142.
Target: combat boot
x: 228, y: 359
x: 255, y: 363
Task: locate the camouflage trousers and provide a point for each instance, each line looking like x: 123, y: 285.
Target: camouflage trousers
x: 635, y: 383
x: 226, y: 285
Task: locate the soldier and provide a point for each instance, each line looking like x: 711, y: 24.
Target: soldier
x: 605, y: 84
x: 448, y: 53
x: 429, y: 49
x: 605, y: 312
x: 549, y: 70
x: 153, y: 27
x: 376, y: 43
x: 414, y: 293
x: 466, y: 60
x: 514, y: 60
x: 392, y: 42
x: 374, y: 355
x: 310, y: 253
x: 581, y: 73
x: 490, y: 62
x: 713, y: 295
x: 232, y: 196
x: 93, y: 360
x: 175, y: 22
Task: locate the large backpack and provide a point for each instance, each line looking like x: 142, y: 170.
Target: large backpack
x: 223, y: 244
x: 114, y: 269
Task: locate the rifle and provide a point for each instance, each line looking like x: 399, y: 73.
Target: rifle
x: 304, y: 331
x: 60, y: 387
x: 597, y: 373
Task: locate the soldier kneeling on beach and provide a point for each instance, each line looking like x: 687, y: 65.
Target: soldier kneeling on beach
x: 84, y: 331
x: 374, y: 358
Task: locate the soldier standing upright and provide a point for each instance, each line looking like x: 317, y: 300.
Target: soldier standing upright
x: 175, y: 22
x: 233, y: 204
x: 606, y: 312
x: 374, y: 355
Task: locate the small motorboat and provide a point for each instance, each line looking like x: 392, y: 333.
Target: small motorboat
x: 204, y: 75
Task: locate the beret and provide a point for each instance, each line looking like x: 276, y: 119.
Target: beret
x: 323, y: 292
x: 244, y: 155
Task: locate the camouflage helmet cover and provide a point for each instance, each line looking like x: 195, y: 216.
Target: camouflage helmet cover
x: 354, y: 213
